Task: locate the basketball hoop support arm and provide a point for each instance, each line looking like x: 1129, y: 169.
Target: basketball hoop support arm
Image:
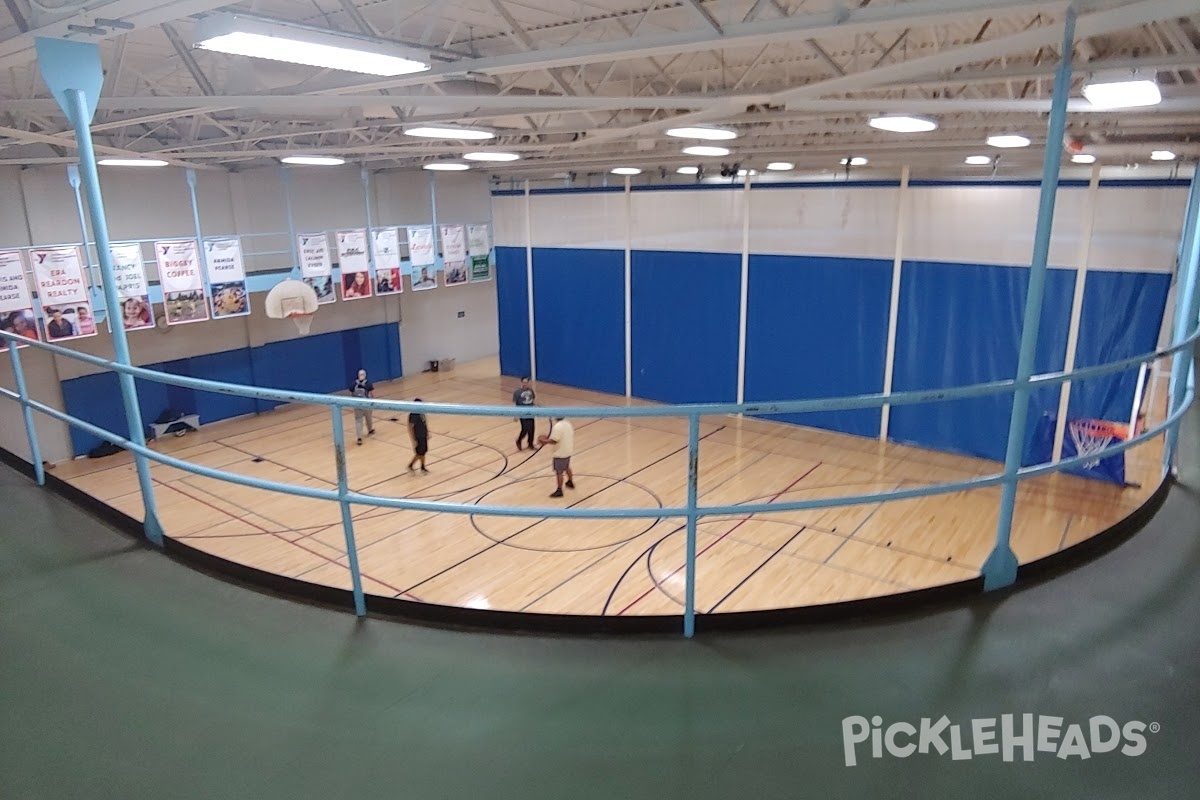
x: 1000, y: 569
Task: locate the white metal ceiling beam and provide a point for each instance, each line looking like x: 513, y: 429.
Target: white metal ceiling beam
x: 700, y: 11
x: 41, y: 138
x: 18, y: 50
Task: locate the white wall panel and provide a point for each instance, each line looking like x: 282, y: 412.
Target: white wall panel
x: 1138, y: 229
x: 835, y: 221
x: 702, y: 221
x: 508, y: 218
x: 433, y: 330
x: 13, y: 232
x: 587, y: 221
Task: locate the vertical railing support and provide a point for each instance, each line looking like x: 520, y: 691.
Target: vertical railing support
x: 365, y: 175
x: 73, y: 180
x: 73, y: 73
x: 285, y: 178
x: 1187, y: 307
x: 689, y: 589
x: 1000, y: 569
x: 190, y: 176
x: 35, y: 453
x: 339, y: 454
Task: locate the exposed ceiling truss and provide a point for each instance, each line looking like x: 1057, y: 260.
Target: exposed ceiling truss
x: 589, y: 84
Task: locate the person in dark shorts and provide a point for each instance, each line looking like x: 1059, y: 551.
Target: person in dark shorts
x: 525, y: 397
x: 562, y: 436
x: 418, y: 430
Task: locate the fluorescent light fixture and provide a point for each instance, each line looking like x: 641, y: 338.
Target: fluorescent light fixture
x: 241, y: 35
x: 903, y: 123
x: 488, y: 156
x: 1123, y: 89
x: 446, y: 166
x: 708, y: 134
x: 857, y: 161
x: 743, y: 173
x: 688, y: 170
x: 1008, y: 140
x: 706, y: 150
x: 132, y: 162
x: 781, y: 166
x: 626, y: 171
x: 978, y: 161
x: 314, y: 161
x: 1083, y: 158
x: 1162, y: 155
x: 439, y: 132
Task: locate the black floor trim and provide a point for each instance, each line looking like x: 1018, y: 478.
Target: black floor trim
x: 866, y: 610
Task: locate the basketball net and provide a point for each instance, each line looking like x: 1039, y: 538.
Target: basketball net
x: 1091, y: 437
x: 303, y: 322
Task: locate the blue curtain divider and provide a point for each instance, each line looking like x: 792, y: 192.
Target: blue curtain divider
x: 512, y: 311
x: 319, y: 363
x: 817, y: 327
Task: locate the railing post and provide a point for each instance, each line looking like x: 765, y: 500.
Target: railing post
x: 35, y: 452
x: 73, y: 180
x: 71, y: 70
x: 339, y: 454
x: 1187, y: 302
x: 689, y: 591
x: 1000, y: 569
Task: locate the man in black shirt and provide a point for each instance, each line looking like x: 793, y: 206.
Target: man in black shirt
x: 363, y: 388
x: 418, y: 430
x: 525, y: 397
x: 58, y: 327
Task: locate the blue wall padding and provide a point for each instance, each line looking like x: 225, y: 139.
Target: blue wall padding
x: 1121, y: 317
x: 960, y: 324
x: 817, y: 327
x: 319, y: 363
x: 512, y: 312
x: 685, y: 326
x: 579, y: 307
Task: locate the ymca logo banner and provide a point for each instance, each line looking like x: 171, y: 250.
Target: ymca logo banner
x: 63, y: 293
x: 137, y: 312
x: 181, y: 281
x: 16, y: 302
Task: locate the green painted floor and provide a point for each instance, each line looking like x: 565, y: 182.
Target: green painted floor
x: 126, y: 675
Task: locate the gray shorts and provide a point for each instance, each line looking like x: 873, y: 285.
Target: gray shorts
x: 562, y: 464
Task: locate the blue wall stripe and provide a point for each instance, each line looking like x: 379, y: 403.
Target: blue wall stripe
x: 579, y: 303
x: 512, y: 310
x: 817, y: 327
x: 685, y: 326
x: 329, y: 360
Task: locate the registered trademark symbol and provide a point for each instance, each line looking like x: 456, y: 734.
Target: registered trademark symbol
x: 1155, y: 727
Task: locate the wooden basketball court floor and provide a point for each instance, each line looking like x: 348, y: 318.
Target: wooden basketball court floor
x: 600, y: 567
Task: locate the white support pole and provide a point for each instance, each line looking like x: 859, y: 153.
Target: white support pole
x: 529, y: 281
x: 1143, y: 371
x: 628, y: 287
x: 1081, y: 271
x: 889, y: 364
x: 745, y: 290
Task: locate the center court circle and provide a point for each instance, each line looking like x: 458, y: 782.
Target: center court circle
x: 566, y: 535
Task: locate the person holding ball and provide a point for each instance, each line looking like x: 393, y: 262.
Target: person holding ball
x: 562, y: 436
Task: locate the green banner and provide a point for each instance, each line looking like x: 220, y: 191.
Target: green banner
x: 481, y: 269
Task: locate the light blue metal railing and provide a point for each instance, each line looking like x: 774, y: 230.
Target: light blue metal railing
x: 692, y: 511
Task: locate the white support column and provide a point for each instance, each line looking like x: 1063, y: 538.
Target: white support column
x: 1081, y: 270
x: 889, y: 363
x: 529, y: 281
x: 628, y: 288
x: 745, y: 290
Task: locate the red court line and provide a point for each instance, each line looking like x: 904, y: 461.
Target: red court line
x: 202, y: 501
x: 741, y: 522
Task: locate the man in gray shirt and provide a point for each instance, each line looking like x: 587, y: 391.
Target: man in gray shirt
x: 525, y: 396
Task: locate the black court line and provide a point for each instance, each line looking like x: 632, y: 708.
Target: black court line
x: 755, y: 571
x: 645, y: 554
x: 522, y: 530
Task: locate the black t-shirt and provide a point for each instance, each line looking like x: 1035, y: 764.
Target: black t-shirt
x: 420, y: 430
x: 523, y: 397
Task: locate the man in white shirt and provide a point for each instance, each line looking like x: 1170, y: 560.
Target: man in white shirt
x: 562, y: 436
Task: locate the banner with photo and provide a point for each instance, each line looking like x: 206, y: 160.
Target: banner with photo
x: 16, y: 302
x: 355, y: 264
x: 316, y: 269
x: 454, y: 255
x: 387, y: 261
x: 181, y: 281
x: 226, y: 277
x: 129, y: 274
x: 63, y: 293
x: 479, y: 251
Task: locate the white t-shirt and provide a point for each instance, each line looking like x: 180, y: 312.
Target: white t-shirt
x: 564, y: 436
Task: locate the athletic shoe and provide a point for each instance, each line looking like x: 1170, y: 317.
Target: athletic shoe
x: 570, y: 484
x: 557, y: 493
x: 371, y: 432
x: 424, y: 470
x: 360, y: 441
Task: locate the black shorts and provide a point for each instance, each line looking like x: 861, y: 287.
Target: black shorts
x: 421, y: 447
